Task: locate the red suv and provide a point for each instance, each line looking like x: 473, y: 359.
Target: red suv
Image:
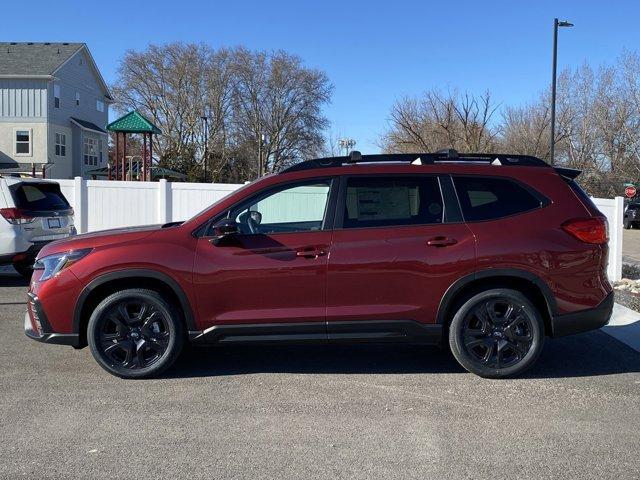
x: 490, y: 253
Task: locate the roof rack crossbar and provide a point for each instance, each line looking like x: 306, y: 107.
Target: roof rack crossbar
x: 449, y: 156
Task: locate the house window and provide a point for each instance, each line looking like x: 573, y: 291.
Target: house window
x: 61, y: 144
x: 77, y: 98
x: 90, y: 151
x: 99, y: 152
x: 23, y: 142
x: 99, y: 106
x: 56, y: 96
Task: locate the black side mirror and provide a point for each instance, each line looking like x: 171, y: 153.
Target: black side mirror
x: 224, y: 229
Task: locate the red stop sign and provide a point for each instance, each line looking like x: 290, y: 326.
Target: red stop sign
x: 630, y: 192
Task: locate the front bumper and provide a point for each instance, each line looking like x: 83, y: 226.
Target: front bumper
x: 36, y: 326
x: 584, y: 320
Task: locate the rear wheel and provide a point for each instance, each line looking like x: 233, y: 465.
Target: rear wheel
x: 627, y: 224
x: 497, y: 333
x: 134, y: 333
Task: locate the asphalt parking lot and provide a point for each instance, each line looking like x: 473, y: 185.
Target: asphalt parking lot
x: 321, y: 412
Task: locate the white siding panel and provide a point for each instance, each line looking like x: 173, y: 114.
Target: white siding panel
x: 23, y: 98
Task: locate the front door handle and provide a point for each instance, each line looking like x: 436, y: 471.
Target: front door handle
x: 310, y: 252
x: 441, y: 242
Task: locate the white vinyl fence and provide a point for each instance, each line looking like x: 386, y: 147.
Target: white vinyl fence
x: 613, y: 209
x: 103, y: 204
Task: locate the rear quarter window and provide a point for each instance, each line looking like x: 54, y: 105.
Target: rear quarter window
x: 487, y: 198
x: 39, y: 196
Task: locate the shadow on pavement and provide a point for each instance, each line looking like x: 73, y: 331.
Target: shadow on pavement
x: 589, y: 354
x: 10, y: 279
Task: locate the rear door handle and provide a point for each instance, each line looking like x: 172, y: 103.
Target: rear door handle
x: 311, y: 252
x: 441, y: 242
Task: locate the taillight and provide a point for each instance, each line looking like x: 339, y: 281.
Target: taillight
x: 16, y: 216
x: 588, y: 230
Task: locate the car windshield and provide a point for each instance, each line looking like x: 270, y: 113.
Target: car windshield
x: 210, y: 206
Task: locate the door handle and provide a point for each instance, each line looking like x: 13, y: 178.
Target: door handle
x: 441, y: 242
x: 311, y: 253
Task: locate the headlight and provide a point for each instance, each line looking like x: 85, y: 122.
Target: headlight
x: 52, y: 264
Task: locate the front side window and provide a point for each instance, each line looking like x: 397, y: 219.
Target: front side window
x: 90, y: 151
x: 56, y: 96
x: 389, y: 201
x: 487, y: 198
x: 299, y: 207
x: 61, y: 144
x: 23, y: 142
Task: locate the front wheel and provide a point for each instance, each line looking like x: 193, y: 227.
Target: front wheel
x: 135, y: 333
x: 627, y: 224
x: 496, y: 334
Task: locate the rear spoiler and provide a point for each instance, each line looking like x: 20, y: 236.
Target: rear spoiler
x: 568, y: 173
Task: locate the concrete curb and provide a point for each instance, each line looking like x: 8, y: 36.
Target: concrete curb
x: 624, y: 326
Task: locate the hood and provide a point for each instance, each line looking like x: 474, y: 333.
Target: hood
x: 99, y: 239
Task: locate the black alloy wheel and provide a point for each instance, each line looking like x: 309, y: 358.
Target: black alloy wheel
x: 135, y: 333
x: 497, y: 333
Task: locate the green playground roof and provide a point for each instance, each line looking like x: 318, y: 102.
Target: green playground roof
x: 133, y: 122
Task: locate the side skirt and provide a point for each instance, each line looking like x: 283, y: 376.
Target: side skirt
x: 377, y: 331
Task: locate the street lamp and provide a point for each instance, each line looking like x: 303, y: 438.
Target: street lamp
x: 347, y: 144
x: 552, y: 140
x: 205, y: 119
x: 262, y: 141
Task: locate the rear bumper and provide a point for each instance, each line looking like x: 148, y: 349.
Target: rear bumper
x: 37, y: 327
x: 584, y: 320
x: 30, y: 253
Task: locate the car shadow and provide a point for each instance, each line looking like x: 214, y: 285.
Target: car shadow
x: 10, y: 279
x: 589, y: 354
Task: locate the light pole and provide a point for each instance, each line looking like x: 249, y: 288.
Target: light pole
x: 206, y: 145
x: 552, y: 141
x: 261, y: 141
x: 347, y: 144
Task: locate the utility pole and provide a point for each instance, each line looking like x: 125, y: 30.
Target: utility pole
x: 206, y: 145
x: 552, y: 141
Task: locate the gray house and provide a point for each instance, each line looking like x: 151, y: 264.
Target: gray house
x: 54, y: 106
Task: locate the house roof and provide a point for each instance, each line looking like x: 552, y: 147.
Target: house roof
x: 87, y: 125
x: 42, y: 59
x: 133, y: 122
x: 30, y: 58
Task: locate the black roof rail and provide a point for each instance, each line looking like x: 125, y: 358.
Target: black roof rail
x: 441, y: 156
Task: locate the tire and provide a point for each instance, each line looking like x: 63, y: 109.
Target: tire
x: 497, y: 333
x: 627, y: 224
x: 25, y: 269
x: 135, y: 333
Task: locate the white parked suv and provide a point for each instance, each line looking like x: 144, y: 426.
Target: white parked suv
x: 32, y: 213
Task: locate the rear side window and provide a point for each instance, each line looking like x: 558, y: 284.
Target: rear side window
x: 385, y: 201
x: 39, y: 196
x: 484, y: 198
x: 583, y: 196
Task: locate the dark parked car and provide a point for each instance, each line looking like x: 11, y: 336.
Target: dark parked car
x: 487, y: 253
x: 632, y: 216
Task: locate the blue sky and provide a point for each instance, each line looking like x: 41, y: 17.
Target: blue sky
x: 374, y: 52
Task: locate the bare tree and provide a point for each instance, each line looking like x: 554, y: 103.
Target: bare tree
x: 244, y: 95
x: 435, y: 121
